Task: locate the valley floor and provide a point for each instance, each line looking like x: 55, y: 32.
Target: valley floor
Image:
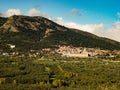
x: 59, y: 73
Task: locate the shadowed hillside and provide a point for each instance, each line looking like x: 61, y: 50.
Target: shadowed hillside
x: 38, y: 32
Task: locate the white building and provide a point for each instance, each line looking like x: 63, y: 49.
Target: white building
x: 11, y: 46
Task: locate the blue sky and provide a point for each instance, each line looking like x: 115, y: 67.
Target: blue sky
x: 93, y: 11
x: 83, y: 12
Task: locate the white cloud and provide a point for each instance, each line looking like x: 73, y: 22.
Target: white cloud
x: 59, y: 19
x: 86, y: 27
x: 98, y: 29
x: 112, y: 33
x: 11, y: 12
x: 74, y: 12
x: 31, y: 12
x: 35, y: 12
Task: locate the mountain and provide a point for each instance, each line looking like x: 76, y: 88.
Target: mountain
x: 38, y: 32
x: 2, y: 21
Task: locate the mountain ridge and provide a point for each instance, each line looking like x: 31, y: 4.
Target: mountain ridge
x: 38, y: 32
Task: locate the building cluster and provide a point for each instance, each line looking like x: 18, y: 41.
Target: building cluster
x: 68, y: 51
x: 79, y: 51
x: 21, y: 54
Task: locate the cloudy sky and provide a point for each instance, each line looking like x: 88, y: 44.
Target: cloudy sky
x: 100, y: 17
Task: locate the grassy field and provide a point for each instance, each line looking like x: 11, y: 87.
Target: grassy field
x: 59, y: 73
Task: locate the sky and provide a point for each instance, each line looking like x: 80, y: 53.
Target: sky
x: 100, y: 17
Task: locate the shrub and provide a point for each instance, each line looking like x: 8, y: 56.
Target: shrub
x: 2, y: 80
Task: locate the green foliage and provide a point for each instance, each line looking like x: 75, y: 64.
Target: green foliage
x: 25, y: 73
x: 2, y: 80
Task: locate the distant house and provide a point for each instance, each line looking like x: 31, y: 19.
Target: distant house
x: 11, y: 46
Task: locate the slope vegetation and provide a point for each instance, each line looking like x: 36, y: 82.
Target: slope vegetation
x: 38, y: 32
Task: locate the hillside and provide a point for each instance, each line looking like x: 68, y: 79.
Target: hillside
x: 38, y: 32
x: 2, y: 21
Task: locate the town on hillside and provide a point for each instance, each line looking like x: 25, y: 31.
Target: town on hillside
x: 68, y: 51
